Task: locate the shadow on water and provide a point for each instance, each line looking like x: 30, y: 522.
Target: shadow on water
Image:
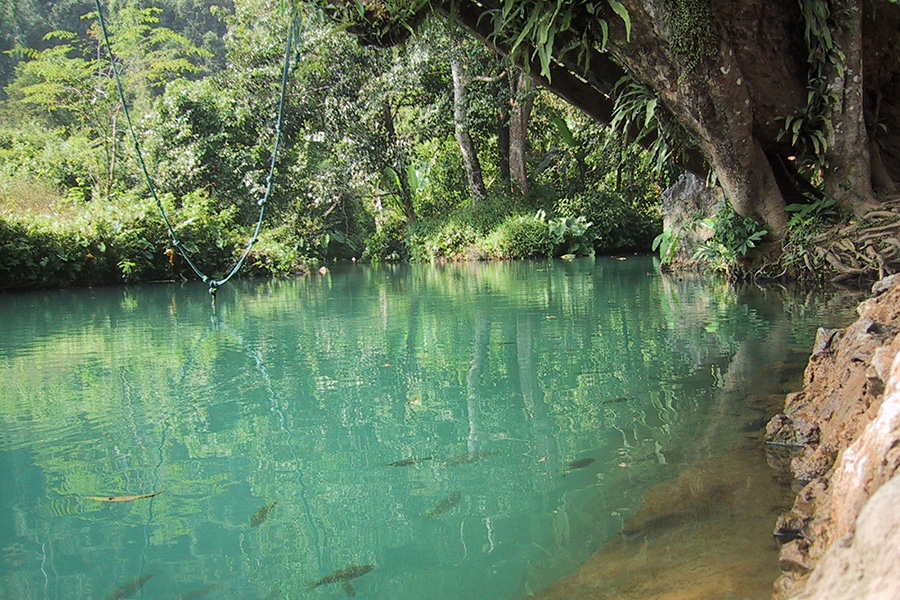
x: 706, y: 533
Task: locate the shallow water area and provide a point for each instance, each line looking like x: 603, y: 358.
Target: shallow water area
x: 585, y: 429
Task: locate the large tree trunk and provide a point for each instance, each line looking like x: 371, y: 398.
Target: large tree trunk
x: 463, y: 139
x: 881, y: 63
x: 520, y: 104
x: 848, y: 176
x: 711, y: 100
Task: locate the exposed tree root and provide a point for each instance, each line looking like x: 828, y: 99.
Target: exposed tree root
x: 867, y: 249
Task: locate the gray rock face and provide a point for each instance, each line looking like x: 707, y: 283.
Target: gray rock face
x: 688, y: 199
x: 879, y: 287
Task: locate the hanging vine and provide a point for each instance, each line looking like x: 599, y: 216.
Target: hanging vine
x: 810, y: 127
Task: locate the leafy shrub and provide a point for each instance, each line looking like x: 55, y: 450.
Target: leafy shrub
x: 449, y: 240
x: 520, y: 236
x: 276, y: 252
x: 388, y: 241
x: 808, y: 221
x: 128, y: 241
x: 572, y: 236
x: 733, y: 237
x: 617, y: 223
x: 37, y: 154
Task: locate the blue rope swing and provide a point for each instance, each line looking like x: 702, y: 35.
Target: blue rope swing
x: 213, y: 283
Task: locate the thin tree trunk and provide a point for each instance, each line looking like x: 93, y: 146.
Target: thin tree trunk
x: 503, y: 144
x: 520, y: 105
x: 463, y: 139
x: 503, y: 137
x: 398, y: 164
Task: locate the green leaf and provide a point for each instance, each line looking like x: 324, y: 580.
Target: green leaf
x: 650, y: 111
x: 604, y: 28
x: 620, y: 10
x: 393, y: 177
x: 564, y: 131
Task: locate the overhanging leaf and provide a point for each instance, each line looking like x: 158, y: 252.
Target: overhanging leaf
x: 620, y: 10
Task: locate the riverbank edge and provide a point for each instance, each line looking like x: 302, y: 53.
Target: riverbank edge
x: 841, y: 436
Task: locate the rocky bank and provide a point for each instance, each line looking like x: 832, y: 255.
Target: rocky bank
x: 841, y: 436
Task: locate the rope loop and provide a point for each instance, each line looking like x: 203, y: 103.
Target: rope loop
x: 285, y: 71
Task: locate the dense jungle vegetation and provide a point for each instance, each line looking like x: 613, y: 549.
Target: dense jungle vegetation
x: 369, y: 169
x: 419, y: 130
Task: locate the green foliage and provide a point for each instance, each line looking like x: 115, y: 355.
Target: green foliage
x: 382, y: 23
x: 638, y: 108
x: 442, y: 240
x: 530, y: 28
x: 201, y: 137
x: 619, y: 223
x: 442, y: 190
x: 278, y: 251
x: 388, y: 242
x: 520, y: 236
x: 31, y: 152
x: 128, y: 242
x: 807, y: 222
x: 666, y: 243
x: 570, y: 235
x: 69, y: 85
x: 810, y: 128
x: 732, y: 238
x: 805, y: 216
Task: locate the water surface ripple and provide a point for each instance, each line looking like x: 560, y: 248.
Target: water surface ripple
x: 460, y: 431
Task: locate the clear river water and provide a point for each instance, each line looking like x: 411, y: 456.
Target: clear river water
x: 472, y: 431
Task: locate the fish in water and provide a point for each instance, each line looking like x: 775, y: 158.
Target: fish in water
x: 123, y: 498
x: 129, y: 588
x: 577, y: 464
x: 261, y: 514
x: 618, y: 400
x: 343, y: 577
x: 446, y: 505
x: 409, y: 461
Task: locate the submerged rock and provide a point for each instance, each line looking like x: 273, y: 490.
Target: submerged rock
x: 795, y: 430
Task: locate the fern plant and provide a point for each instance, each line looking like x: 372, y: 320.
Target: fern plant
x: 637, y: 107
x: 531, y: 28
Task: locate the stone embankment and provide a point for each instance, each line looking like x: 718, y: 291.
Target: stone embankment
x: 841, y: 538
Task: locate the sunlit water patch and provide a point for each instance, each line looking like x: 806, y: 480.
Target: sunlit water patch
x: 467, y: 431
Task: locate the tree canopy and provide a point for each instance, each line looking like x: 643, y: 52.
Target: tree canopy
x: 773, y: 98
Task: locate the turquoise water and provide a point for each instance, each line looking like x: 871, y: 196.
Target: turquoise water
x: 465, y: 431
